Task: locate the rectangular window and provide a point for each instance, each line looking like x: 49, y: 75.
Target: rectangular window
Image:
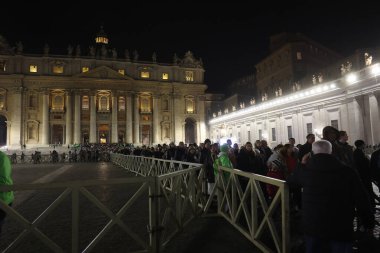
x: 3, y: 66
x: 309, y: 128
x: 239, y: 136
x: 85, y: 103
x: 249, y: 136
x: 57, y: 69
x: 85, y: 69
x: 121, y: 71
x: 33, y: 68
x: 165, y: 76
x: 144, y: 74
x: 299, y: 56
x: 290, y: 132
x: 260, y: 134
x: 335, y: 123
x: 121, y: 104
x: 273, y: 134
x: 189, y: 76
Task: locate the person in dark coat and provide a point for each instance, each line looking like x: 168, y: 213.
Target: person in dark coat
x: 331, y: 194
x: 306, y: 148
x: 362, y: 165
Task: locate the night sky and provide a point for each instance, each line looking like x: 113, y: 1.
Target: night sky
x: 230, y: 39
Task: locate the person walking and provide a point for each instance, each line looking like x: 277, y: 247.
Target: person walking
x: 5, y: 179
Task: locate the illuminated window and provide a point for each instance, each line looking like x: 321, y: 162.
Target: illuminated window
x: 33, y: 68
x: 290, y: 132
x: 309, y: 128
x: 335, y: 124
x: 144, y: 74
x: 57, y: 103
x: 3, y: 66
x: 299, y: 56
x: 85, y: 103
x: 85, y: 69
x: 260, y: 134
x: 189, y: 105
x: 102, y: 40
x: 103, y: 103
x: 189, y: 76
x: 273, y: 134
x: 145, y: 104
x: 57, y: 69
x: 121, y: 71
x: 2, y: 101
x: 121, y: 104
x: 165, y: 76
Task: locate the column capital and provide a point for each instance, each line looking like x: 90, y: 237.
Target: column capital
x: 44, y: 91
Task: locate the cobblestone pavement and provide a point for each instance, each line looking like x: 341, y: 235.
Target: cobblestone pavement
x: 212, y: 234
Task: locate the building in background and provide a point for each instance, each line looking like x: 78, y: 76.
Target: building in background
x: 95, y: 96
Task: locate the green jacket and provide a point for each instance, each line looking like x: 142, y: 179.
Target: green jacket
x: 5, y: 177
x: 223, y: 161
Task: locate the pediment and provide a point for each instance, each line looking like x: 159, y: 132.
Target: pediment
x: 103, y: 72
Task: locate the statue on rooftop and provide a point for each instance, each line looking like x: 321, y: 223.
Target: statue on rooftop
x: 135, y: 55
x: 126, y: 55
x: 77, y: 50
x: 46, y: 49
x: 154, y: 57
x: 69, y: 50
x: 19, y: 47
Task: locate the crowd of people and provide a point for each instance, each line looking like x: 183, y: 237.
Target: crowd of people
x: 330, y: 180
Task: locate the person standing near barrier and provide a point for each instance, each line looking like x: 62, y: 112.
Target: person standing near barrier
x: 5, y: 179
x: 331, y: 194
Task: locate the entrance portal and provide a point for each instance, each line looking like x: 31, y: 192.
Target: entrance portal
x: 145, y: 134
x: 3, y: 130
x: 103, y: 134
x: 190, y: 130
x: 57, y: 134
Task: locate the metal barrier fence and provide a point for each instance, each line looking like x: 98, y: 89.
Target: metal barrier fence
x: 176, y: 193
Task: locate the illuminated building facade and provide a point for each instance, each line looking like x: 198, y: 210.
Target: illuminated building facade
x: 348, y: 98
x: 98, y: 97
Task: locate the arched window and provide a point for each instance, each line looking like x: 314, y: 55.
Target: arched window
x: 145, y: 104
x: 58, y: 103
x: 103, y: 103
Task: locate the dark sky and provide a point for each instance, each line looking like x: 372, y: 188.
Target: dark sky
x: 230, y: 38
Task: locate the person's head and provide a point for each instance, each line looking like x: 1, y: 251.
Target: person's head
x: 330, y: 133
x: 229, y: 142
x: 215, y: 147
x: 248, y: 146
x: 236, y: 146
x: 343, y: 137
x: 257, y: 144
x: 278, y: 147
x: 310, y: 138
x: 292, y: 141
x: 224, y: 148
x: 321, y: 147
x: 359, y: 144
x: 286, y: 150
x: 264, y: 143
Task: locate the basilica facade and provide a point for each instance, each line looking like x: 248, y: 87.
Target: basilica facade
x: 98, y: 97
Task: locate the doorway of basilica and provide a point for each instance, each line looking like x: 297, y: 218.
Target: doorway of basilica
x: 103, y: 133
x: 3, y: 130
x: 145, y: 134
x: 190, y: 131
x: 57, y: 134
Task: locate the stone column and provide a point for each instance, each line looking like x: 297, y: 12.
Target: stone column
x: 93, y: 118
x: 202, y: 134
x: 77, y: 125
x: 128, y: 124
x: 136, y: 123
x: 156, y: 117
x: 69, y: 116
x: 178, y: 110
x: 114, y: 119
x: 374, y: 118
x: 15, y: 119
x: 45, y: 118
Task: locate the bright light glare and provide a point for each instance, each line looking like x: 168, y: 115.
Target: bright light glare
x: 351, y: 78
x: 375, y: 69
